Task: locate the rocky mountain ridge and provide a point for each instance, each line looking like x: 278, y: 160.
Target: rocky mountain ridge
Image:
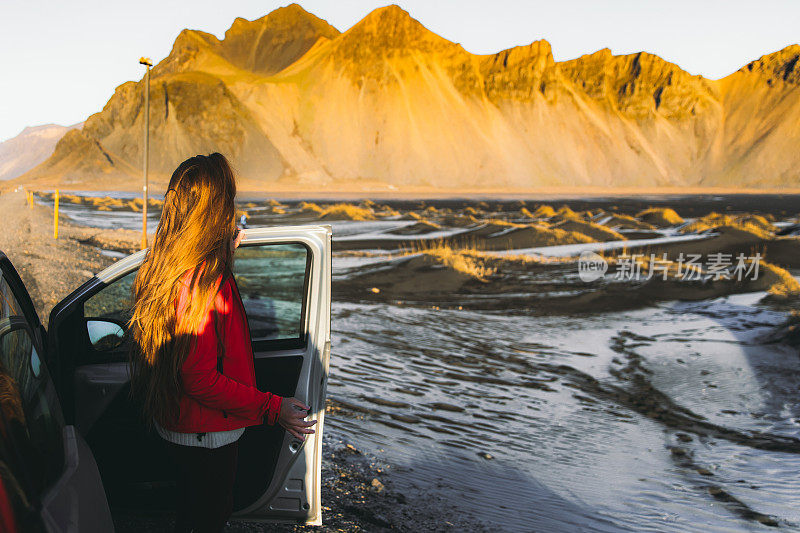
x: 390, y: 104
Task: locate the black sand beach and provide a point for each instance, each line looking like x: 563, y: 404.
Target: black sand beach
x: 466, y: 348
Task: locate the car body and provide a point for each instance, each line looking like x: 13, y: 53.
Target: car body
x: 72, y: 440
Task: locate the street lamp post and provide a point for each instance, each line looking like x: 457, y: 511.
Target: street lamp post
x: 147, y: 63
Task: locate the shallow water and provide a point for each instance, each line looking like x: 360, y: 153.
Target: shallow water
x: 675, y: 417
x: 87, y: 215
x: 574, y: 250
x: 436, y: 388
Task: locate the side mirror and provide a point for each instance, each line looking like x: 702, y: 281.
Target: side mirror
x: 104, y: 335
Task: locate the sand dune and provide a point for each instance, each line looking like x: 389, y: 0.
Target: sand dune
x: 435, y: 270
x: 618, y: 221
x: 544, y: 211
x: 549, y: 227
x: 661, y: 217
x: 590, y: 229
x: 411, y: 215
x: 464, y: 268
x: 305, y: 210
x: 103, y: 203
x: 385, y: 211
x: 476, y: 279
x: 460, y: 221
x: 423, y: 226
x: 752, y: 223
x: 500, y: 235
x: 733, y: 240
x: 346, y: 212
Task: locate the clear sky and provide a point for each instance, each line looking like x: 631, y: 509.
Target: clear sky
x: 62, y: 59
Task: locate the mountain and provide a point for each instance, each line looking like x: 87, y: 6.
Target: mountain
x: 35, y: 144
x: 389, y: 104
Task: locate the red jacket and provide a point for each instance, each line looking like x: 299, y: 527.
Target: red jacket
x: 222, y: 395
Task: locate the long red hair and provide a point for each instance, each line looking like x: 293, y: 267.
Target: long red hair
x: 193, y: 241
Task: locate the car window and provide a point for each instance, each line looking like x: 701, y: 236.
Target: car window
x: 113, y: 302
x: 273, y: 281
x: 13, y: 438
x: 8, y: 303
x: 31, y: 454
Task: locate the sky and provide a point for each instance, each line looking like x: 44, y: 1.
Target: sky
x: 62, y: 60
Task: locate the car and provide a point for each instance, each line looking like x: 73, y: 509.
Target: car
x: 73, y: 442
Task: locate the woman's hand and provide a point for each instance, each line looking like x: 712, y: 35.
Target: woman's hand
x: 291, y: 418
x: 237, y: 238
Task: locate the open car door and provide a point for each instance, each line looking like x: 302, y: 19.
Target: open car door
x: 48, y: 478
x: 284, y: 276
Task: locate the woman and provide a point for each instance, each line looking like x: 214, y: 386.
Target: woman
x: 192, y: 362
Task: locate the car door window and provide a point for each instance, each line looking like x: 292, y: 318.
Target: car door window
x: 106, y: 315
x: 8, y: 303
x: 273, y: 281
x: 31, y: 454
x: 113, y: 302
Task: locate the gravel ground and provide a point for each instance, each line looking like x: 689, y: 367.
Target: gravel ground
x: 52, y: 268
x: 357, y: 495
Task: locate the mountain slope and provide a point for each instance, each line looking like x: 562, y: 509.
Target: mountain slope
x: 388, y: 103
x: 32, y: 146
x: 762, y: 116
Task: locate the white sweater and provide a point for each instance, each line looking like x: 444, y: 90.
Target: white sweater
x: 211, y: 439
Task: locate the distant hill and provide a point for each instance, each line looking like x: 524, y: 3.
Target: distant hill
x: 388, y: 103
x: 35, y: 144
